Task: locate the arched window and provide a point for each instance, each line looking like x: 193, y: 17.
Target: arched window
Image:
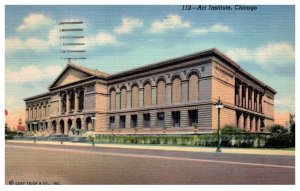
x: 161, y: 92
x: 113, y: 99
x: 176, y: 90
x: 147, y: 94
x: 88, y: 123
x: 134, y: 96
x: 123, y: 97
x: 62, y: 126
x: 193, y: 87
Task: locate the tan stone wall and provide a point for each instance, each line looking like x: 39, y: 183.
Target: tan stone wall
x: 135, y: 97
x: 176, y: 90
x: 147, y: 94
x: 193, y: 88
x: 227, y: 117
x: 101, y: 98
x: 268, y: 106
x: 100, y: 123
x: 222, y: 84
x: 161, y: 92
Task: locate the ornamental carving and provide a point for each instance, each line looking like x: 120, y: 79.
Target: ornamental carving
x: 223, y: 75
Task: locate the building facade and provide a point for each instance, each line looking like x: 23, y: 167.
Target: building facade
x: 175, y: 95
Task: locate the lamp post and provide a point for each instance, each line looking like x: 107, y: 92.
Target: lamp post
x: 219, y: 106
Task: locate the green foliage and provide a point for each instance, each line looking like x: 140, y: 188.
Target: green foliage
x: 195, y: 125
x: 210, y: 140
x: 277, y: 129
x: 230, y: 129
x: 8, y: 133
x: 292, y: 129
x: 282, y: 140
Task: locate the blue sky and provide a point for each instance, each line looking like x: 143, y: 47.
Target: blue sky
x: 122, y: 37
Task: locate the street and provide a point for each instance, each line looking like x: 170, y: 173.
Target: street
x: 61, y: 164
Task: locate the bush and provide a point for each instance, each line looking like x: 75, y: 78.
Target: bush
x: 230, y: 129
x: 282, y: 140
x: 277, y: 129
x: 228, y: 140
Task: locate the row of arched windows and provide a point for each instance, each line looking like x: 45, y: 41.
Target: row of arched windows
x: 176, y: 93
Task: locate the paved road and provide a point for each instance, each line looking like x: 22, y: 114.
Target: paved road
x: 63, y: 164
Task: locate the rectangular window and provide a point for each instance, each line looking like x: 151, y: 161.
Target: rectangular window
x: 161, y: 120
x: 176, y: 118
x: 193, y: 117
x: 112, y: 122
x: 122, y: 121
x: 146, y: 120
x: 133, y: 121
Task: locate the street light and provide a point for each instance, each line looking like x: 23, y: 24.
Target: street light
x: 219, y: 106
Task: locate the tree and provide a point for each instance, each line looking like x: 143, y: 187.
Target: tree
x: 277, y: 129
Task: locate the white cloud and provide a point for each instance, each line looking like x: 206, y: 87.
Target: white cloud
x: 216, y: 28
x: 31, y: 74
x: 53, y: 36
x: 35, y: 21
x: 272, y: 54
x: 171, y: 22
x: 37, y: 44
x: 15, y: 44
x: 128, y: 25
x: 102, y: 39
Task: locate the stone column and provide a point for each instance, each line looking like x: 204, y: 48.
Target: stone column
x: 153, y: 92
x: 128, y: 121
x: 259, y: 103
x: 59, y: 103
x: 241, y: 95
x: 257, y: 100
x: 168, y: 94
x: 108, y: 102
x: 184, y: 91
x: 246, y: 96
x: 241, y: 121
x: 168, y: 119
x: 128, y: 104
x: 141, y: 97
x: 118, y: 100
x: 68, y: 103
x: 43, y: 111
x: 76, y: 102
x: 252, y: 99
x: 258, y: 124
x: 247, y: 122
x: 184, y: 123
x: 140, y: 120
x: 152, y: 119
x: 117, y: 121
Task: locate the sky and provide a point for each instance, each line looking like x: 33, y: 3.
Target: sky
x: 119, y: 38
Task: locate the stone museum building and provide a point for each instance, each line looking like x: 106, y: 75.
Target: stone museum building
x: 175, y: 95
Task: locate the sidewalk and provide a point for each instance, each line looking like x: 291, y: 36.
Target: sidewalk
x: 259, y: 151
